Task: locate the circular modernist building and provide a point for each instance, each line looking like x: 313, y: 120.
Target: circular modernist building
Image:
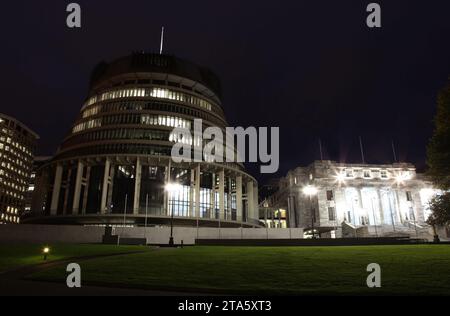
x: 114, y: 167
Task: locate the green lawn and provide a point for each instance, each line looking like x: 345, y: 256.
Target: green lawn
x: 419, y: 269
x: 13, y: 256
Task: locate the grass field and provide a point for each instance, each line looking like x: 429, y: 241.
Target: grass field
x: 418, y: 270
x: 14, y: 256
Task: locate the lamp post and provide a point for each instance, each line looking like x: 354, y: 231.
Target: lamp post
x: 310, y: 191
x: 172, y: 189
x: 46, y: 251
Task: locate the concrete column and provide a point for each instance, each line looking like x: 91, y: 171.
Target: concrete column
x: 197, y: 191
x: 86, y: 189
x: 103, y: 205
x: 250, y: 201
x: 137, y: 187
x: 110, y: 189
x: 361, y: 207
x: 239, y: 198
x: 256, y: 200
x: 380, y: 206
x: 166, y: 194
x: 78, y: 183
x: 66, y: 196
x: 56, y: 189
x: 213, y: 196
x: 192, y: 194
x: 222, y: 194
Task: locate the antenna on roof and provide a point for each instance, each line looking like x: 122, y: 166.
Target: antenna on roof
x: 320, y: 148
x: 393, y: 151
x: 362, y: 150
x: 162, y: 41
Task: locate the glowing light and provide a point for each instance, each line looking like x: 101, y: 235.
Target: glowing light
x: 173, y: 187
x: 46, y: 250
x: 340, y: 177
x: 402, y: 177
x: 310, y: 190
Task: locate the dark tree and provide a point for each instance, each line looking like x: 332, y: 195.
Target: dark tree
x: 440, y: 205
x: 439, y: 146
x: 439, y: 161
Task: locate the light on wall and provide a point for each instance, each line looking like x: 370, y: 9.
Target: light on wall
x: 310, y: 190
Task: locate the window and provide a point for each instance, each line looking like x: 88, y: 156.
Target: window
x: 383, y: 174
x: 331, y: 214
x: 408, y: 196
x: 367, y: 174
x: 349, y: 173
x: 330, y: 196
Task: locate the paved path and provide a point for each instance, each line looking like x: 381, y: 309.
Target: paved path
x: 12, y: 283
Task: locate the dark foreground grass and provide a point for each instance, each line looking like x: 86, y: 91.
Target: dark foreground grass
x: 15, y: 256
x: 417, y: 270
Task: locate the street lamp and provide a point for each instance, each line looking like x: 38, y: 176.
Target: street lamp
x: 172, y: 188
x: 310, y: 190
x: 46, y: 251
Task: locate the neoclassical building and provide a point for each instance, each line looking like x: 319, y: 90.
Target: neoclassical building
x: 351, y: 200
x: 115, y: 164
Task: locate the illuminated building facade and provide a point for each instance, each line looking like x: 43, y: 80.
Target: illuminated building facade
x: 115, y: 164
x: 352, y: 200
x: 17, y: 146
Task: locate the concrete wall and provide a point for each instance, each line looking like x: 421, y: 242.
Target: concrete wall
x: 155, y: 235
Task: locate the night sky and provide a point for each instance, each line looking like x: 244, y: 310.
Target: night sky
x: 313, y: 68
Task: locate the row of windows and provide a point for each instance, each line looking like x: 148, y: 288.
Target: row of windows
x: 9, y: 141
x: 145, y: 119
x: 368, y: 174
x: 132, y: 134
x: 107, y: 149
x: 14, y: 129
x: 15, y: 165
x: 87, y: 125
x: 160, y: 93
x: 155, y: 106
x: 10, y: 218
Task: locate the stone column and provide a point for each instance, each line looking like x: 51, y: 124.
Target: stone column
x: 77, y: 192
x: 239, y: 198
x: 110, y: 189
x: 66, y: 195
x: 256, y: 201
x: 137, y: 187
x: 192, y: 194
x: 197, y: 191
x: 380, y: 206
x: 250, y: 201
x: 56, y: 189
x: 103, y: 205
x: 86, y: 189
x: 166, y: 194
x: 222, y: 194
x: 213, y: 196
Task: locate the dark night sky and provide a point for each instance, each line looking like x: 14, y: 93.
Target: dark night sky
x: 313, y: 68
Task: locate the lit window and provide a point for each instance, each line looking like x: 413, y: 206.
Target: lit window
x: 349, y: 173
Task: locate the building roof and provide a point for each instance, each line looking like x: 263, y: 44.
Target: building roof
x: 9, y: 118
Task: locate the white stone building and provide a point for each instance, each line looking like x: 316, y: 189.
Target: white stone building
x: 352, y: 200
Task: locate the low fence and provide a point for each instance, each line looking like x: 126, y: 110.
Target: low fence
x: 10, y: 234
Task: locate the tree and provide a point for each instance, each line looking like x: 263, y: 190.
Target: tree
x: 439, y: 146
x: 440, y: 205
x: 438, y: 153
